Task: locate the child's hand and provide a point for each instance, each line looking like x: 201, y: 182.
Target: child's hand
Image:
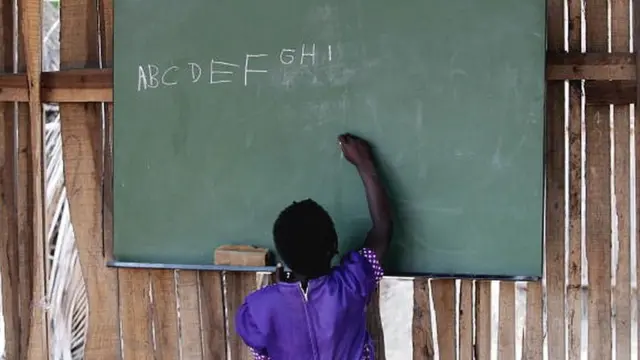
x: 356, y: 150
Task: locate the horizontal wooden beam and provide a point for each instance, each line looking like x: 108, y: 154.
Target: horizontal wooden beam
x: 612, y: 80
x: 78, y: 85
x: 591, y: 66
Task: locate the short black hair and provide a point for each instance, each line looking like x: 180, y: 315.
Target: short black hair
x: 305, y: 237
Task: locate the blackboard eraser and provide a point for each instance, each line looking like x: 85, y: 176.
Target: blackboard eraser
x: 241, y: 255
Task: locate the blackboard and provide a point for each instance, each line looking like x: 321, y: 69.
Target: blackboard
x: 226, y: 111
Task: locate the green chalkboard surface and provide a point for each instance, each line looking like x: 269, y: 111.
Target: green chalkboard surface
x: 226, y: 111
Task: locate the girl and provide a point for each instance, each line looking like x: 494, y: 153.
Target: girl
x: 318, y: 312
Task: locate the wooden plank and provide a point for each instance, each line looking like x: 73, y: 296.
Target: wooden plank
x: 9, y: 255
x: 555, y: 199
x: 29, y: 12
x: 165, y: 315
x: 188, y: 297
x: 574, y: 278
x: 598, y: 231
x: 636, y: 46
x: 135, y: 308
x: 622, y: 291
x: 214, y: 335
x: 620, y: 33
x: 466, y: 320
x: 621, y: 92
x: 106, y: 29
x: 106, y: 42
x: 444, y: 301
x: 590, y: 66
x: 374, y: 326
x: 25, y: 229
x: 555, y: 216
x: 421, y: 325
x: 574, y: 286
x: 83, y: 157
x: 239, y: 285
x: 598, y: 217
x: 532, y: 341
x: 483, y: 320
x: 507, y: 322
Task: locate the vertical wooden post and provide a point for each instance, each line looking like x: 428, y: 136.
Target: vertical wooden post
x: 31, y: 44
x: 9, y: 258
x: 83, y: 158
x: 598, y: 171
x: 622, y: 127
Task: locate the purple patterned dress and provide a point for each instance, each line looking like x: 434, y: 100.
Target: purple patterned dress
x: 327, y: 322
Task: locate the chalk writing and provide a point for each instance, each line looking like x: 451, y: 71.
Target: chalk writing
x: 213, y: 72
x: 289, y: 55
x: 312, y: 54
x: 246, y: 66
x: 222, y: 71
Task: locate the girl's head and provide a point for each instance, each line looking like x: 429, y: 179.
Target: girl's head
x: 306, y: 238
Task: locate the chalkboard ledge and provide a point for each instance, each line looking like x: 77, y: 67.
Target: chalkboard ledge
x: 270, y: 269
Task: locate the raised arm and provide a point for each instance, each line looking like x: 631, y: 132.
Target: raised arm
x: 358, y: 152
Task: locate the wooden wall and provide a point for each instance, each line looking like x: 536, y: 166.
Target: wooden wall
x: 140, y: 306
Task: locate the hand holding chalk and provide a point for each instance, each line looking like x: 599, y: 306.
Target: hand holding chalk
x: 357, y: 151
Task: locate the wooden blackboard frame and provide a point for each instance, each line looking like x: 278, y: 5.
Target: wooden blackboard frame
x: 272, y: 269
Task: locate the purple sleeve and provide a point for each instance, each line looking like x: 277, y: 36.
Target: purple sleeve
x: 250, y: 333
x: 257, y: 355
x: 361, y: 272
